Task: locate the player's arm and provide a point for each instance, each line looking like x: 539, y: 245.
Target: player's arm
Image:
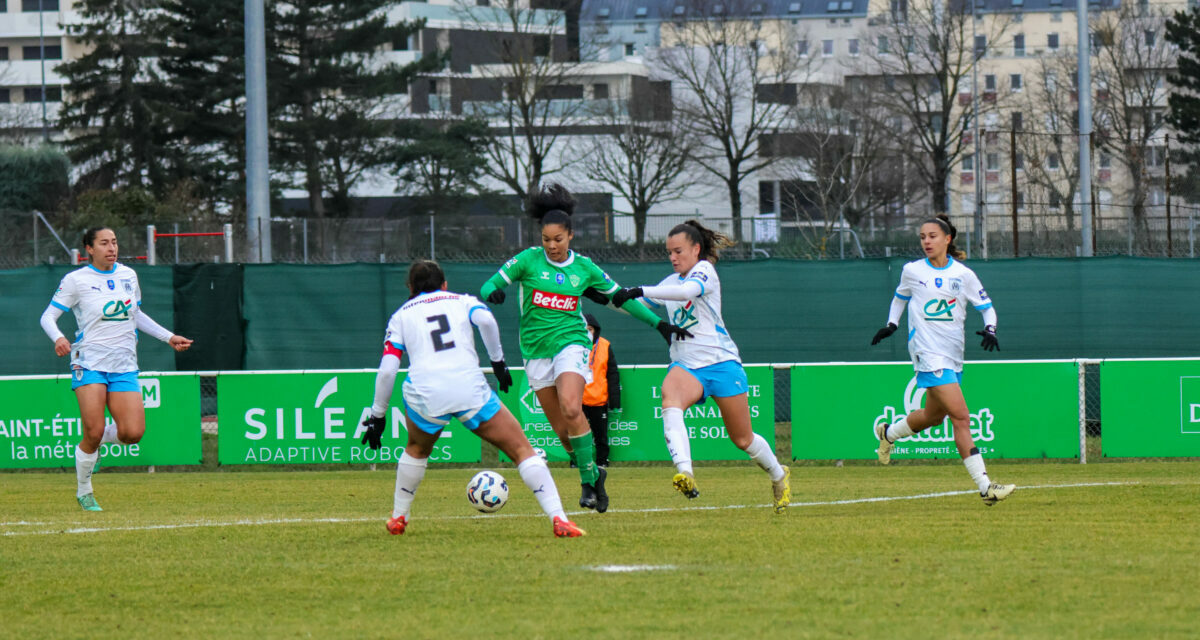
x: 151, y: 328
x: 64, y: 298
x: 489, y: 331
x: 511, y: 271
x: 385, y: 383
x: 896, y: 310
x: 980, y: 300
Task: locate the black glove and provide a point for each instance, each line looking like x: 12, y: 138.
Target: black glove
x: 496, y: 297
x: 668, y: 330
x: 595, y: 296
x: 625, y: 295
x: 374, y: 431
x: 503, y: 377
x: 989, y: 338
x: 885, y: 332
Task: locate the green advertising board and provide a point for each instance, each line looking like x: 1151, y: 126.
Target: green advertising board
x: 1150, y: 408
x: 314, y: 417
x: 1018, y: 410
x: 635, y: 431
x: 40, y: 424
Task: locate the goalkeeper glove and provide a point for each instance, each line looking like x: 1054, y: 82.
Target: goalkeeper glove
x: 374, y: 432
x: 883, y: 333
x: 503, y: 377
x: 989, y: 338
x: 667, y: 330
x: 625, y: 295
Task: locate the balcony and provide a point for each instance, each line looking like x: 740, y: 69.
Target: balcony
x: 22, y: 24
x: 572, y: 109
x: 28, y: 73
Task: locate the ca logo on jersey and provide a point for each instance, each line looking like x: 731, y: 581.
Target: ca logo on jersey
x: 940, y: 310
x: 685, y: 316
x: 115, y: 310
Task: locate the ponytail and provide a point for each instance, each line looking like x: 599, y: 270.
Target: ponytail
x: 943, y: 221
x: 552, y: 204
x: 711, y: 242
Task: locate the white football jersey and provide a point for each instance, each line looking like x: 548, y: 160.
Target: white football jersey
x: 104, y: 304
x: 435, y: 330
x: 702, y: 317
x: 937, y: 312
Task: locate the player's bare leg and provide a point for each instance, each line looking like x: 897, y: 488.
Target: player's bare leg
x: 736, y: 412
x: 92, y: 399
x: 947, y: 400
x: 563, y: 406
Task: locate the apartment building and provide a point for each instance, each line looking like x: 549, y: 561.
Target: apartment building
x: 32, y: 43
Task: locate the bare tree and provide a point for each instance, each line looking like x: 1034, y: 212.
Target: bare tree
x: 843, y: 164
x: 919, y: 62
x: 1046, y: 140
x: 718, y: 62
x: 642, y: 155
x: 530, y: 94
x: 1133, y: 60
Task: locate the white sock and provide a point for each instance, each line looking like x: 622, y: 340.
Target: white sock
x: 975, y: 467
x: 678, y: 444
x: 537, y: 477
x: 84, y: 463
x: 409, y: 473
x: 760, y: 452
x: 110, y: 434
x: 899, y: 429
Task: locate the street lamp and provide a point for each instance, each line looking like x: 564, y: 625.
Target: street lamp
x: 42, y: 47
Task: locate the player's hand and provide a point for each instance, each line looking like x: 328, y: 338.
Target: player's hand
x: 496, y: 297
x: 374, y: 433
x: 885, y: 332
x: 667, y: 331
x: 503, y: 377
x: 179, y: 343
x: 625, y: 295
x: 989, y: 338
x: 62, y: 347
x: 595, y: 296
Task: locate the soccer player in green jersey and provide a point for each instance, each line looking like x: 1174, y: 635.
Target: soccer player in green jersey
x: 554, y: 337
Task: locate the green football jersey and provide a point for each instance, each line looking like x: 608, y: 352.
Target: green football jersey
x: 551, y: 311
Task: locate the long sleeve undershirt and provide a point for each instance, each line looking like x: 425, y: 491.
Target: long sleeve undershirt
x: 686, y: 290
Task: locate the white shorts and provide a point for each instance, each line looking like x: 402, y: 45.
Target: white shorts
x: 542, y: 372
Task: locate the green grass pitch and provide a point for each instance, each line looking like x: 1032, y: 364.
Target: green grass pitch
x: 1090, y: 551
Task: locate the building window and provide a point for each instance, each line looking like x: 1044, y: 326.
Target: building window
x: 1015, y: 81
x: 34, y: 94
x: 968, y: 163
x: 1150, y: 38
x: 4, y: 96
x: 1019, y: 161
x: 1018, y: 121
x: 3, y: 53
x: 827, y: 48
x: 1020, y: 200
x: 639, y: 27
x: 989, y: 82
x: 1052, y: 41
x: 908, y: 42
x: 641, y: 12
x: 980, y: 45
x: 1052, y: 161
x: 1155, y: 156
x: 401, y: 43
x: 883, y: 44
x: 628, y: 48
x: 600, y: 91
x: 1057, y: 15
x: 802, y: 47
x: 1055, y: 200
x: 853, y: 46
x: 993, y: 162
x: 35, y: 53
x: 32, y: 5
x: 1019, y: 45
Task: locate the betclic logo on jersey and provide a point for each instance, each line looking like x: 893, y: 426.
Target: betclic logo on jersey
x: 930, y: 441
x: 555, y: 301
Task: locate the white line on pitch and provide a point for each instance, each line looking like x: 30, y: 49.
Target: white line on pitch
x: 270, y: 521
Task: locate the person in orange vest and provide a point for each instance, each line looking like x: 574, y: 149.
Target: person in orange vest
x: 604, y: 392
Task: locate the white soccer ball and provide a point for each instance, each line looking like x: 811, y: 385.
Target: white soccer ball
x: 487, y: 491
x: 541, y: 453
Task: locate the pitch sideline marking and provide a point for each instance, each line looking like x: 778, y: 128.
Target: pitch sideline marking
x: 270, y: 521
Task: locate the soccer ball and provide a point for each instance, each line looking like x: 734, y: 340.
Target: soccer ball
x: 487, y: 491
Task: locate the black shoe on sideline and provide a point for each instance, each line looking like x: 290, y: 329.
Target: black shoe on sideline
x: 601, y: 494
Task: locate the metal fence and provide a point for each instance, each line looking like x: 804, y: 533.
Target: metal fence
x: 609, y: 237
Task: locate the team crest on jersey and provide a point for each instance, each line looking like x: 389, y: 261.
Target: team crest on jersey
x: 574, y: 280
x: 112, y: 286
x: 559, y: 278
x: 955, y: 285
x: 128, y: 285
x: 937, y: 282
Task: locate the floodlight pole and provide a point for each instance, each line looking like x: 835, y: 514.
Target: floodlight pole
x: 258, y: 204
x: 1085, y: 127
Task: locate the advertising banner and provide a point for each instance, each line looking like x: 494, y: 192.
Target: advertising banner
x: 1018, y: 410
x: 40, y: 425
x: 1150, y: 408
x: 635, y: 431
x: 316, y: 418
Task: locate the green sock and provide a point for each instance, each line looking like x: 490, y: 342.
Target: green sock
x: 585, y: 457
x: 571, y: 457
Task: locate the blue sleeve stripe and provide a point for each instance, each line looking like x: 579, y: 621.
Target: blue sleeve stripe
x: 471, y: 312
x: 984, y: 306
x: 59, y: 305
x: 911, y: 332
x: 699, y: 282
x: 903, y: 297
x: 399, y: 346
x: 652, y: 303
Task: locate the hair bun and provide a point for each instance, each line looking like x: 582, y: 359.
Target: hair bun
x: 551, y: 197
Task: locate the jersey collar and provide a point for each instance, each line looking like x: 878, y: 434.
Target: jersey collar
x: 564, y: 263
x: 107, y: 273
x: 949, y: 261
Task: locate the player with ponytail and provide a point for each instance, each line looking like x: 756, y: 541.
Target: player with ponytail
x: 708, y: 362
x: 934, y: 290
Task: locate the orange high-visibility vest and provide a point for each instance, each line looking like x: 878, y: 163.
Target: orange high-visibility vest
x: 596, y: 393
